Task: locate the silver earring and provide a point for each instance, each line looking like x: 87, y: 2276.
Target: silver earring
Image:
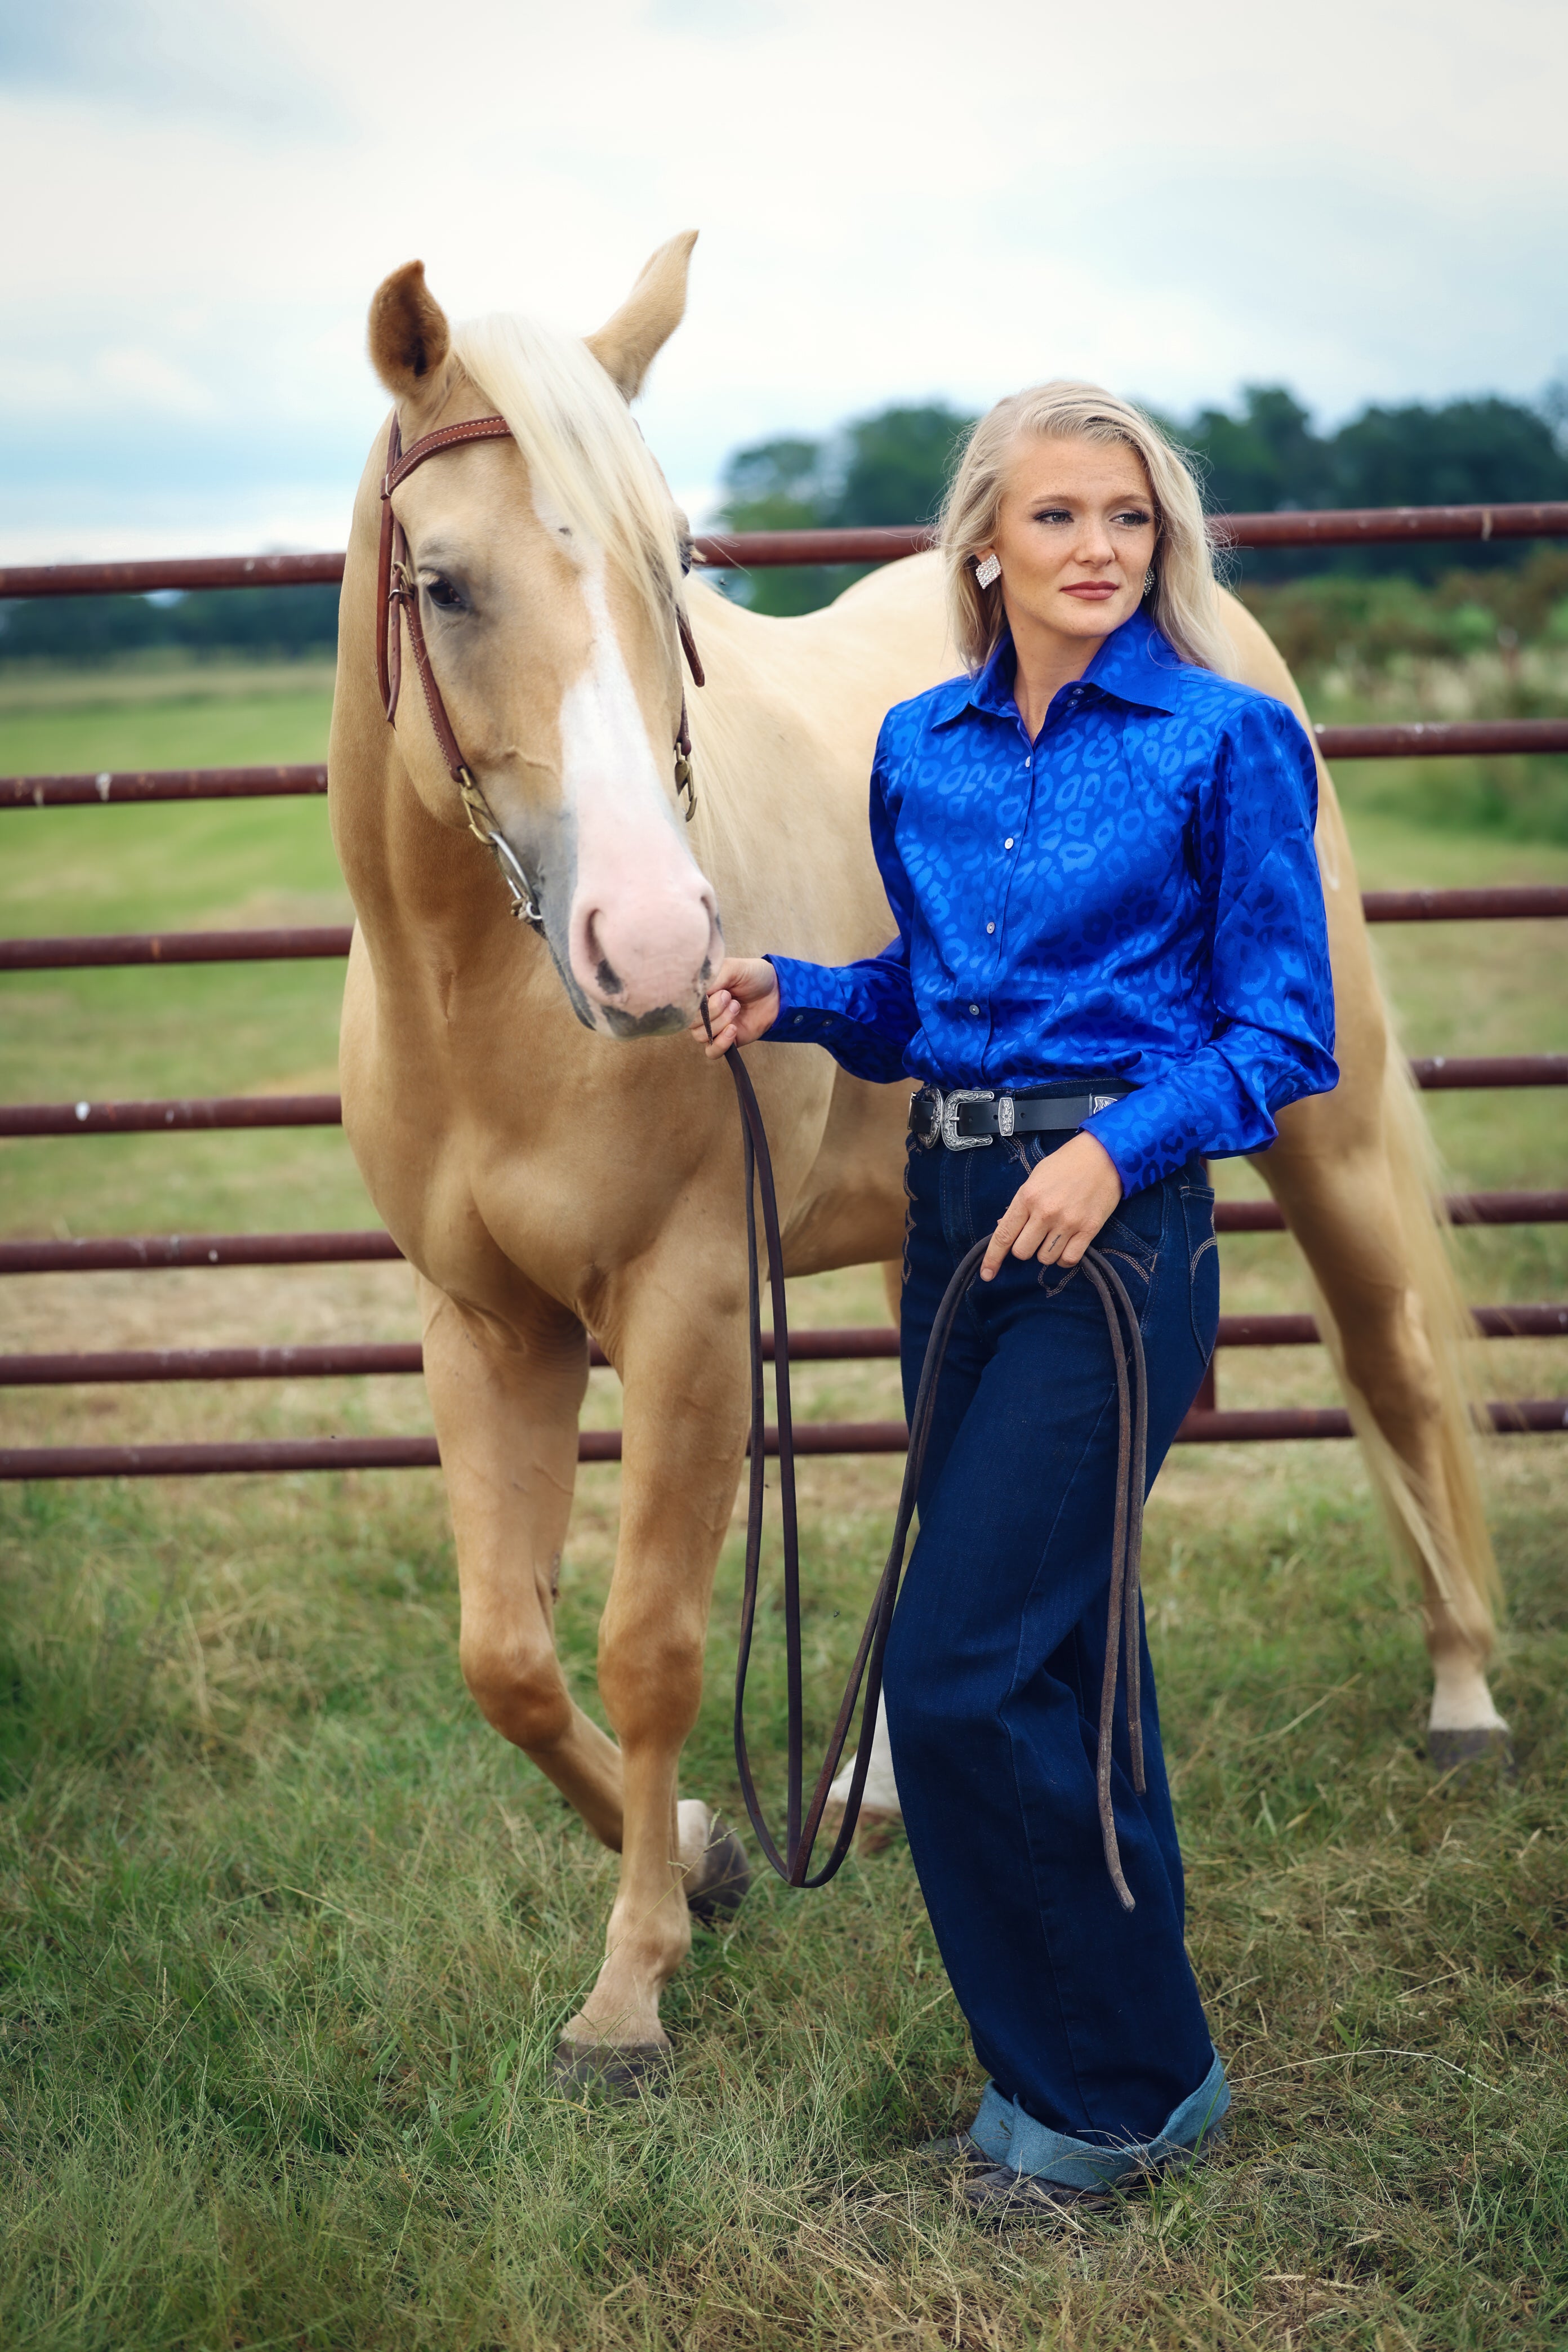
x: 988, y: 569
x: 1149, y: 582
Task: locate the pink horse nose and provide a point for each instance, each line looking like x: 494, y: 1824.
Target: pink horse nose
x: 645, y: 951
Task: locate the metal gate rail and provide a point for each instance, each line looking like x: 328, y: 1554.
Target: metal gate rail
x: 1205, y: 1424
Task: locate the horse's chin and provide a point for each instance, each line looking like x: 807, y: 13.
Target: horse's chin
x: 610, y: 1021
x: 607, y: 1020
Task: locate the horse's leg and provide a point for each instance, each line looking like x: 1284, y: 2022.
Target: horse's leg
x: 1354, y: 1173
x: 506, y: 1416
x: 879, y: 1806
x: 681, y: 1355
x: 1348, y: 1173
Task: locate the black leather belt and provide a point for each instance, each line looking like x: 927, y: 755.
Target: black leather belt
x: 967, y: 1118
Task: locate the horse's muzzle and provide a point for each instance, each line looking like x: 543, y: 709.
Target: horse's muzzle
x: 643, y: 959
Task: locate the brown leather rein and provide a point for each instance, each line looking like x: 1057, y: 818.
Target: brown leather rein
x: 397, y: 600
x: 803, y: 1821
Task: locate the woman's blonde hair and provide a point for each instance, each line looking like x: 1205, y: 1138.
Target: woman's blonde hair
x: 1181, y: 603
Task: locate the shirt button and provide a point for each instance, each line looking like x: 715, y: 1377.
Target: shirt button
x: 974, y: 1008
x: 1008, y: 843
x: 990, y: 926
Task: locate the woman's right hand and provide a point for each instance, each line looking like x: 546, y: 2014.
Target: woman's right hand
x: 743, y: 1004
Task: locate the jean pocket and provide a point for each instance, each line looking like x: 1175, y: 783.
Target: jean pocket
x: 1133, y: 1255
x: 1202, y: 1265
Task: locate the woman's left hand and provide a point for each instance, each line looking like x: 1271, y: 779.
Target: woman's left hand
x: 1057, y: 1212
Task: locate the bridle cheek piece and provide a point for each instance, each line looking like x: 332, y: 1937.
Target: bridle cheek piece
x: 398, y: 599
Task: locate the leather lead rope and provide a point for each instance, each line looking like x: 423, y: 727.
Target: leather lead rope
x: 803, y: 1820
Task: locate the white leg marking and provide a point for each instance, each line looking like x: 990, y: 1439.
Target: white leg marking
x: 1460, y: 1699
x: 881, y: 1788
x: 694, y: 1820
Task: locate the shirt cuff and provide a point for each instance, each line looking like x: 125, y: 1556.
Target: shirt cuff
x: 1135, y: 1146
x: 855, y: 1045
x: 799, y: 1022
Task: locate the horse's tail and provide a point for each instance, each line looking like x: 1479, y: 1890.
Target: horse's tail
x: 1445, y: 1532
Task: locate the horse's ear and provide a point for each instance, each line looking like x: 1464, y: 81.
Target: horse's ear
x: 626, y: 345
x: 409, y: 337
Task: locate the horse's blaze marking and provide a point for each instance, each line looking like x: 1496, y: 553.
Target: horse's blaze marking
x: 602, y: 733
x: 635, y: 875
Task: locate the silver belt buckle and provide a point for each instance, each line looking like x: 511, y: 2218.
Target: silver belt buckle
x: 949, y: 1134
x: 925, y: 1116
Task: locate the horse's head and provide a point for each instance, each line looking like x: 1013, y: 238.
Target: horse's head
x: 547, y: 569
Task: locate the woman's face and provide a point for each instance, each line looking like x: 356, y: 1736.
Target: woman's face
x: 1074, y: 536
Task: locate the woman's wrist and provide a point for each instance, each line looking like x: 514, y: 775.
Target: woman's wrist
x: 742, y: 1005
x: 1058, y: 1209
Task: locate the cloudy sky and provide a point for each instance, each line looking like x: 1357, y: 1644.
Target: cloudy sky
x: 898, y: 198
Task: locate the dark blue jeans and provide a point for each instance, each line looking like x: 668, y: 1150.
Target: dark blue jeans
x: 1084, y: 2014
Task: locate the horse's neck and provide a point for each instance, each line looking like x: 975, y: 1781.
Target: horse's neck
x: 783, y: 735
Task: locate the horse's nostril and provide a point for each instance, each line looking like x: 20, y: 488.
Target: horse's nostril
x: 606, y: 978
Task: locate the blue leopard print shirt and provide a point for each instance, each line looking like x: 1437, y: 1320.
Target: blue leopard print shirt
x: 1135, y: 893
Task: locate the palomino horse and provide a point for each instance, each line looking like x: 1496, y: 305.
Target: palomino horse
x: 556, y: 1161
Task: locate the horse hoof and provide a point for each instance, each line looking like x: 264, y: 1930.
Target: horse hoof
x: 726, y: 1876
x: 1461, y: 1751
x: 632, y: 2070
x: 873, y: 1832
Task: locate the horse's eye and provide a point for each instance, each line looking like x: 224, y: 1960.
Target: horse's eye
x: 442, y: 594
x: 687, y: 551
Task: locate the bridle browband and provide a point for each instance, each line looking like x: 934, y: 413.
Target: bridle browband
x: 398, y: 598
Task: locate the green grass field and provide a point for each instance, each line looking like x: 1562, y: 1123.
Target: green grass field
x: 286, y: 1934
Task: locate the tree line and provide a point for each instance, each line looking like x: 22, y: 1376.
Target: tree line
x: 893, y: 467
x: 274, y: 624
x: 1265, y: 457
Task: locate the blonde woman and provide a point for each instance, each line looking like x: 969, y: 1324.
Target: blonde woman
x: 1111, y: 962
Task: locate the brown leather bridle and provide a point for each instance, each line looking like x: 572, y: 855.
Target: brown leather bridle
x: 398, y: 598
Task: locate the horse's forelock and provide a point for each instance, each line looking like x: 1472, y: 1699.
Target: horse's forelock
x: 590, y: 466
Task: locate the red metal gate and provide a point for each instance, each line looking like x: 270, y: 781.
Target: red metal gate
x: 1207, y: 1423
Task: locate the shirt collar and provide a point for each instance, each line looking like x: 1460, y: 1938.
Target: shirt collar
x: 1136, y: 664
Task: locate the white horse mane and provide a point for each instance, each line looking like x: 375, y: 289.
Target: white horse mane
x: 590, y: 466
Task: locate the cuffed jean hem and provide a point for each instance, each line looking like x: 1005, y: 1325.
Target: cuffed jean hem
x: 1010, y: 2137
